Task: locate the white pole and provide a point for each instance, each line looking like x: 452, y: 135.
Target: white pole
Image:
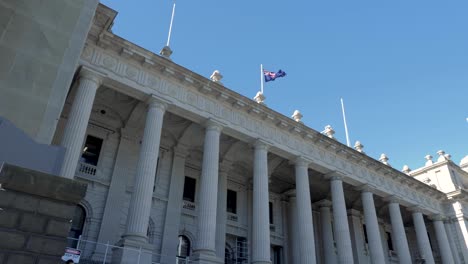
x: 261, y: 78
x: 105, y: 254
x: 170, y: 26
x: 79, y: 242
x: 345, y: 126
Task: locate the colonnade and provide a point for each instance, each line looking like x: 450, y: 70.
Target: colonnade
x: 205, y: 246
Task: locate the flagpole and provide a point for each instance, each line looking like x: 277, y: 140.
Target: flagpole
x: 261, y: 78
x: 170, y: 26
x: 345, y: 126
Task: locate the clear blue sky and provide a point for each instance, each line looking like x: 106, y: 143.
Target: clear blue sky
x: 401, y: 66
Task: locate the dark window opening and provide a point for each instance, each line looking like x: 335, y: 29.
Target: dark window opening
x: 365, y: 234
x: 77, y: 226
x: 389, y: 241
x: 91, y: 150
x: 231, y: 205
x: 156, y: 176
x: 183, y: 249
x: 277, y: 252
x: 189, y: 189
x: 430, y: 241
x: 270, y: 205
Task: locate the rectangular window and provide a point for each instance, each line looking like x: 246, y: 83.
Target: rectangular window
x: 389, y: 241
x: 231, y: 205
x: 189, y: 189
x: 91, y: 150
x: 270, y: 205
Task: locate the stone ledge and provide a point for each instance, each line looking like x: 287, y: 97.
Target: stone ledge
x: 41, y: 184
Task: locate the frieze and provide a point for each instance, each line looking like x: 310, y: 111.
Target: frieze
x: 259, y: 127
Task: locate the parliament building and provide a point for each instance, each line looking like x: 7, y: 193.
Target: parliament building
x: 181, y: 169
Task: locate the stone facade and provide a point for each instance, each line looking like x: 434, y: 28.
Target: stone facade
x: 299, y: 195
x: 36, y: 214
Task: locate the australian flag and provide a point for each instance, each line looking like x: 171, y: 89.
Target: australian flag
x: 271, y: 76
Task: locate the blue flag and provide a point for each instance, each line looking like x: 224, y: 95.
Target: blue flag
x: 271, y: 76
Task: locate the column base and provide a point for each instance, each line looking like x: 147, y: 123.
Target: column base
x: 205, y: 257
x: 131, y: 252
x: 261, y: 262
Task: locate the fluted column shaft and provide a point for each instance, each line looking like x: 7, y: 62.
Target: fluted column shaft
x: 221, y: 214
x: 294, y: 236
x: 442, y: 241
x: 340, y: 223
x: 261, y: 223
x: 209, y: 190
x: 141, y: 200
x: 327, y: 233
x: 399, y: 234
x: 424, y: 245
x: 372, y: 227
x: 77, y: 122
x: 304, y: 213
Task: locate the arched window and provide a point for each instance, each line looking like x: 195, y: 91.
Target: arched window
x: 229, y: 257
x: 77, y: 226
x: 183, y: 249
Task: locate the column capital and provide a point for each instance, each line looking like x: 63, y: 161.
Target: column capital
x: 393, y: 199
x: 92, y: 75
x: 438, y: 217
x: 366, y: 188
x: 155, y: 102
x: 290, y: 193
x: 334, y: 176
x: 261, y: 144
x: 180, y: 150
x: 212, y: 124
x: 225, y: 166
x: 301, y: 161
x: 415, y: 209
x: 324, y: 203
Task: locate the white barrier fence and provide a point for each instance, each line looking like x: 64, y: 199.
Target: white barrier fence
x: 93, y: 252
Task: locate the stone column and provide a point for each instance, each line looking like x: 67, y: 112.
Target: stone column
x: 141, y: 200
x: 205, y: 248
x: 327, y: 232
x: 424, y: 245
x: 285, y: 225
x: 442, y: 241
x: 78, y: 118
x: 340, y: 217
x: 304, y: 213
x: 174, y: 205
x: 293, y: 230
x: 221, y: 213
x: 261, y: 222
x: 398, y: 232
x: 372, y: 226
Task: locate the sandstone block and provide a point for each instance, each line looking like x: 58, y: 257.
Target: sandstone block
x: 11, y: 240
x: 32, y: 223
x: 8, y: 219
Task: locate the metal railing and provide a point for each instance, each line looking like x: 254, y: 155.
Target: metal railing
x: 93, y: 252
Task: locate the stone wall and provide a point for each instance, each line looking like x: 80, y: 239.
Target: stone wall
x: 36, y: 214
x: 40, y: 44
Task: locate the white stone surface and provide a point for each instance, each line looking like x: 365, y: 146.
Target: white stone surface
x: 372, y: 227
x: 260, y: 222
x: 141, y: 201
x: 340, y: 222
x: 77, y: 122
